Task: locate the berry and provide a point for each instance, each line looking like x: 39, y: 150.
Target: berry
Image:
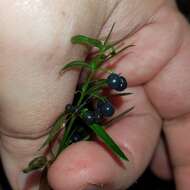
x: 105, y: 108
x: 88, y: 117
x: 97, y: 116
x: 69, y: 108
x: 113, y: 81
x: 75, y: 137
x: 116, y: 82
x: 123, y: 84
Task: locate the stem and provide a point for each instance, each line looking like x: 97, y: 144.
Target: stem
x: 65, y: 141
x: 118, y: 117
x: 109, y: 34
x: 63, y: 144
x: 110, y: 57
x: 68, y: 130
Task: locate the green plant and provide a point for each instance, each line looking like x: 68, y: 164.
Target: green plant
x: 89, y: 91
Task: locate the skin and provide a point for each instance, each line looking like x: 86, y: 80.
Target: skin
x: 35, y: 42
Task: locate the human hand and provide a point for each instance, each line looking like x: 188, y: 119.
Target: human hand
x: 159, y: 64
x: 32, y: 57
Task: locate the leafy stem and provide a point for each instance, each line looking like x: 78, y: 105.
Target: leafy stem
x: 91, y: 90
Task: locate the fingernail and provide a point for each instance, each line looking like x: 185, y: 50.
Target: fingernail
x: 92, y: 187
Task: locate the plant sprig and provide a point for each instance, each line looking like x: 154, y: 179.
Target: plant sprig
x: 89, y: 95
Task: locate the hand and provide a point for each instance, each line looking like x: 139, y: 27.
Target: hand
x: 33, y: 52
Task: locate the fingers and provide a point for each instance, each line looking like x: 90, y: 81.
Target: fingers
x: 160, y: 164
x: 155, y: 42
x: 169, y: 92
x: 90, y: 163
x: 177, y: 133
x: 170, y: 89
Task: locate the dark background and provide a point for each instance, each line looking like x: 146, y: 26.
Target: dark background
x: 184, y: 6
x: 148, y: 180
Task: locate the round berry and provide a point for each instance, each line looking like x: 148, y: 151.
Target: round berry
x: 97, y: 116
x: 88, y: 117
x: 75, y: 137
x: 106, y: 108
x: 113, y: 81
x: 69, y: 108
x: 123, y: 84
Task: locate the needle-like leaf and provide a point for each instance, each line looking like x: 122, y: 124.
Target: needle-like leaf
x: 118, y: 117
x: 81, y: 39
x: 109, y: 34
x: 98, y: 85
x: 36, y: 163
x: 100, y: 132
x: 57, y: 126
x: 122, y: 94
x: 118, y: 52
x: 75, y: 64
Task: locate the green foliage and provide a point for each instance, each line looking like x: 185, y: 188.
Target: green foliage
x: 35, y: 164
x: 74, y: 65
x: 81, y: 39
x: 97, y: 86
x: 100, y: 132
x: 90, y: 90
x: 55, y: 129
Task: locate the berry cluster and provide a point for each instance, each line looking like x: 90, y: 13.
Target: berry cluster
x: 103, y: 109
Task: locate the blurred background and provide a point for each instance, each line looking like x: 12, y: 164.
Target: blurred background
x: 148, y: 180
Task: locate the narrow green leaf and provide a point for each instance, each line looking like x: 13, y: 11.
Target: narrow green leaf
x: 109, y: 34
x: 118, y: 117
x: 98, y: 85
x: 118, y: 52
x: 122, y: 94
x: 100, y: 132
x: 35, y: 164
x: 98, y: 60
x: 98, y: 96
x: 55, y: 129
x: 75, y: 64
x: 64, y: 141
x: 81, y: 39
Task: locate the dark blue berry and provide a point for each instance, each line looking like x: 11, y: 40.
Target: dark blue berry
x: 88, y: 117
x: 97, y: 116
x: 116, y: 82
x: 113, y: 81
x: 69, y: 108
x: 123, y: 84
x: 105, y: 108
x: 75, y: 137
